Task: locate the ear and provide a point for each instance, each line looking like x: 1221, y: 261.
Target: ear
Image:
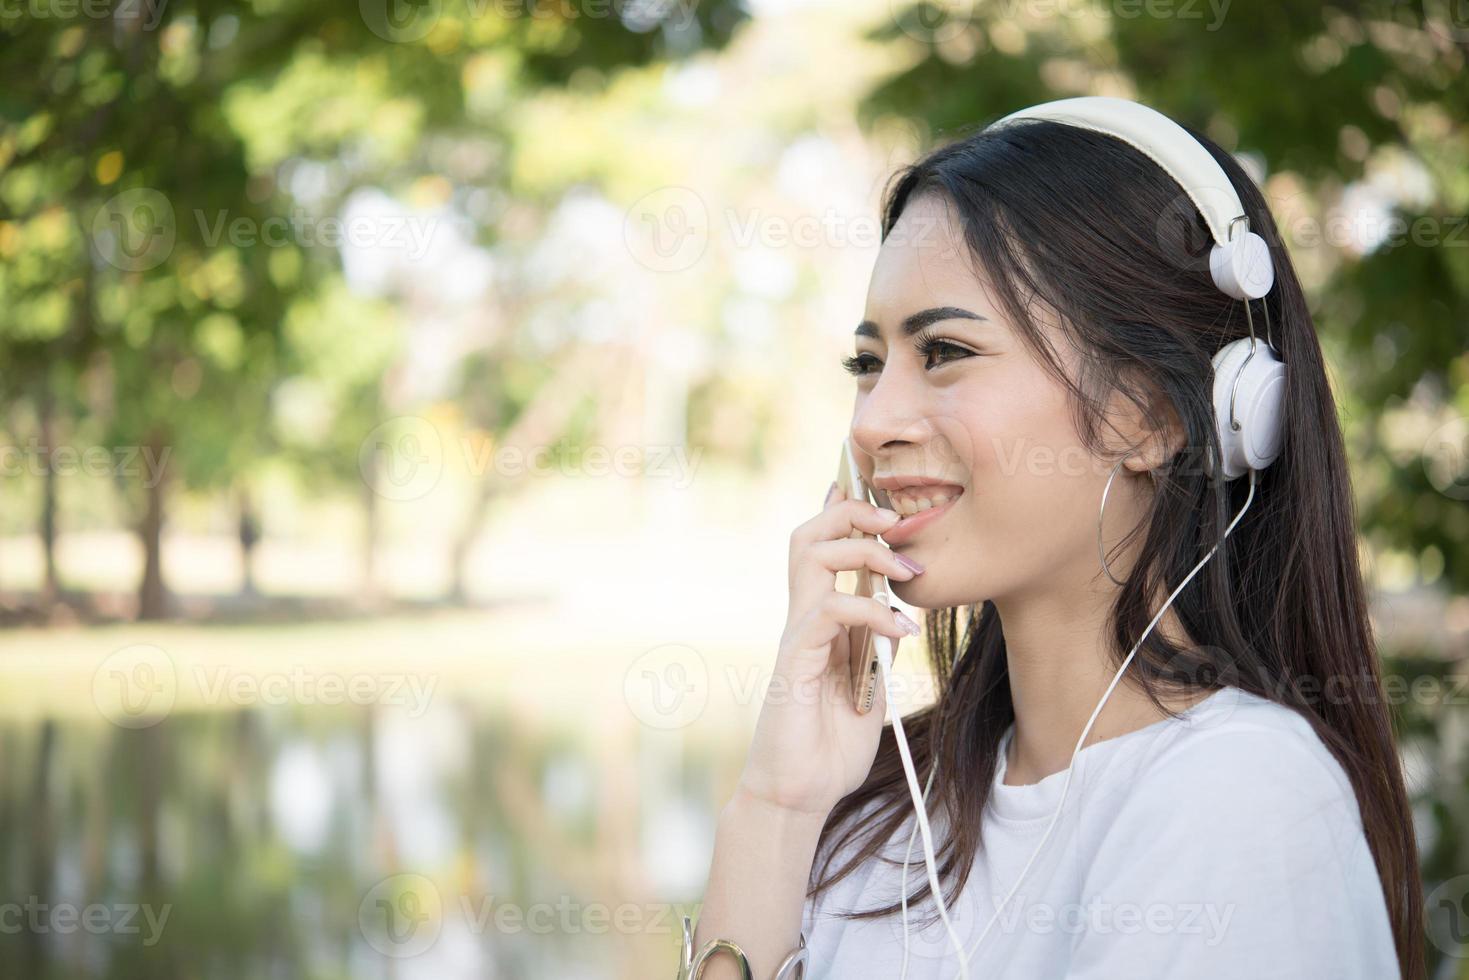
x: 1154, y: 433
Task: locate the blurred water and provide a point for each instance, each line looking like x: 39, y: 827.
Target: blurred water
x: 346, y: 842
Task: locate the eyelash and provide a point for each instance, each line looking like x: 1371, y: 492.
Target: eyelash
x: 926, y: 344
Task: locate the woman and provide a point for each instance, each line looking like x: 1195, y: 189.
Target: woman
x: 1038, y: 338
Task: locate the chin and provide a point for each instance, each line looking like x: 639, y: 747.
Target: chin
x: 920, y: 594
x: 928, y: 591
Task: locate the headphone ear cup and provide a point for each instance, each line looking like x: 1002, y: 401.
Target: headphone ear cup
x: 1242, y: 267
x: 1259, y: 398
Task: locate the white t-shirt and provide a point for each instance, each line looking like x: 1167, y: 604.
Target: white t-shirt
x: 1224, y: 843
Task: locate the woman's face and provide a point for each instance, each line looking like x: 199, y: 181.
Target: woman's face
x: 951, y: 403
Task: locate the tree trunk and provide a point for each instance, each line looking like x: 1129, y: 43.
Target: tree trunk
x: 51, y: 586
x: 369, y: 588
x: 464, y: 542
x: 152, y: 595
x: 249, y: 536
x: 537, y: 424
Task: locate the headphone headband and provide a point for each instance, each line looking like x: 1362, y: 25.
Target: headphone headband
x: 1240, y: 264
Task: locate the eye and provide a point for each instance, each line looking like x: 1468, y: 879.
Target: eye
x: 936, y: 351
x: 861, y: 364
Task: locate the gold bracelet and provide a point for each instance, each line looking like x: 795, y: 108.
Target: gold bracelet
x: 691, y: 967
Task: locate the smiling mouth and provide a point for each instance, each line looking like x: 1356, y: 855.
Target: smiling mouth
x: 919, y: 506
x: 915, y: 500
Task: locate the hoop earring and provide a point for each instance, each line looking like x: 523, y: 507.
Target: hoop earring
x: 1101, y: 513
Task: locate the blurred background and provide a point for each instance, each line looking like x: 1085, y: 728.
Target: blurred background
x: 404, y: 407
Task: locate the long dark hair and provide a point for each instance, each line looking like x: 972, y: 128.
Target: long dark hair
x: 1100, y: 233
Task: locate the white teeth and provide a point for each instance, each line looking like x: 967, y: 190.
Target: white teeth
x: 912, y: 505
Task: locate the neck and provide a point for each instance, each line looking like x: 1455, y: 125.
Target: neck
x: 1060, y: 665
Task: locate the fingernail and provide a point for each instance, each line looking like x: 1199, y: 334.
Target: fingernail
x: 911, y: 627
x: 908, y: 563
x: 888, y: 515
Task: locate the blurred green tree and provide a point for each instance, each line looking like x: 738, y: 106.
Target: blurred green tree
x: 153, y: 241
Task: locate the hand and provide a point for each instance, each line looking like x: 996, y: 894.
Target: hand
x: 811, y: 747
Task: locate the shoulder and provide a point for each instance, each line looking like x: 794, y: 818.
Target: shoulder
x: 1240, y: 770
x: 1244, y: 752
x: 1241, y: 807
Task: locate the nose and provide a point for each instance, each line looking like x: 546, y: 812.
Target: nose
x: 892, y: 415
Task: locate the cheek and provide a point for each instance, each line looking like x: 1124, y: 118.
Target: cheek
x: 1034, y: 492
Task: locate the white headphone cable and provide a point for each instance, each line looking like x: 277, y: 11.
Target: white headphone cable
x: 884, y: 648
x: 908, y: 857
x: 964, y: 962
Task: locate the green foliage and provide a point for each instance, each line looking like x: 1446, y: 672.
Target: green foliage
x: 167, y: 170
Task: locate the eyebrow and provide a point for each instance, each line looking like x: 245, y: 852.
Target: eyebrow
x: 919, y: 320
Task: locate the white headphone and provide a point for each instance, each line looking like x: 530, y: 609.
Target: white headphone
x: 1248, y: 391
x: 1249, y: 378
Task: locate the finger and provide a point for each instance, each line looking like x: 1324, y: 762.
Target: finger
x: 816, y: 568
x: 836, y: 611
x: 840, y: 519
x: 850, y: 554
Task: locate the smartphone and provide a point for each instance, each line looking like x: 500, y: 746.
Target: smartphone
x: 864, y: 653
